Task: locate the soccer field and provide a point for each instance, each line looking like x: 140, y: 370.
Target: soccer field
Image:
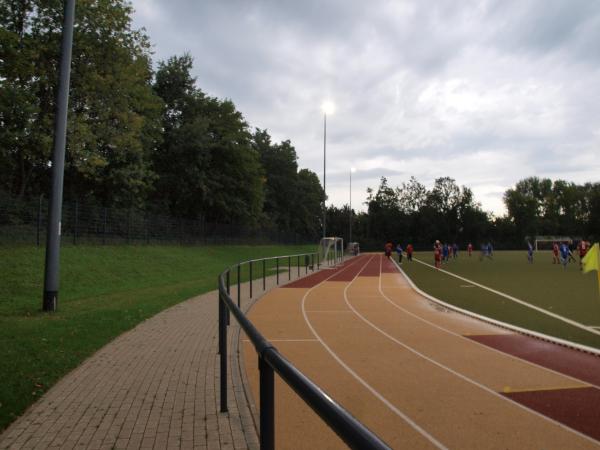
x: 566, y: 293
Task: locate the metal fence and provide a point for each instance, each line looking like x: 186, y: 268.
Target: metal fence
x: 348, y: 428
x: 25, y: 222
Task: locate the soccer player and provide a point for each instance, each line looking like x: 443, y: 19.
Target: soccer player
x: 445, y: 253
x: 489, y: 250
x: 437, y: 254
x: 555, y: 250
x: 583, y: 248
x: 470, y: 249
x: 388, y: 249
x: 399, y: 251
x: 409, y: 252
x: 529, y: 252
x: 455, y: 250
x: 564, y: 254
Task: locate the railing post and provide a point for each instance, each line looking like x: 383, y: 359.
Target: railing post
x: 289, y: 267
x: 298, y: 266
x: 228, y: 281
x: 250, y: 279
x: 318, y: 261
x: 227, y: 284
x: 267, y: 406
x: 264, y: 275
x: 238, y: 284
x: 306, y: 264
x: 223, y: 351
x: 277, y: 267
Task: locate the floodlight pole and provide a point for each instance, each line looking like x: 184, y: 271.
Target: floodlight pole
x: 350, y: 233
x: 51, y: 278
x: 324, y: 173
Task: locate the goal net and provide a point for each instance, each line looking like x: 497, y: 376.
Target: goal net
x: 331, y: 250
x: 546, y: 242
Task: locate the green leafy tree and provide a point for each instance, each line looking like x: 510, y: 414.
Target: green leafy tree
x: 207, y: 165
x: 307, y: 218
x: 113, y: 113
x: 279, y: 162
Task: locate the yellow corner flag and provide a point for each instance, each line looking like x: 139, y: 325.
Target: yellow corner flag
x: 591, y: 261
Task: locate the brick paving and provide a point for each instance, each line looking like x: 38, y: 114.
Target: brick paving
x: 155, y: 386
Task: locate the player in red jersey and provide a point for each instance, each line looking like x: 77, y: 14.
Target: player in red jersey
x: 470, y: 249
x: 582, y: 247
x: 388, y: 249
x: 437, y: 254
x: 555, y: 258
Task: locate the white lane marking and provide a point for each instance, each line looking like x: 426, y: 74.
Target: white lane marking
x: 385, y: 401
x: 464, y: 377
x: 514, y: 299
x: 473, y: 341
x: 466, y: 285
x: 329, y: 311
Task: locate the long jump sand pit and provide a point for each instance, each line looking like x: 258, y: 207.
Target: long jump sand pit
x: 417, y: 375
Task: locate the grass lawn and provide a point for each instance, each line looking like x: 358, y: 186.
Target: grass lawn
x: 104, y: 292
x: 567, y: 293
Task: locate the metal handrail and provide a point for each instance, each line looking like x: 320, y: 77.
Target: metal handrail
x: 349, y: 429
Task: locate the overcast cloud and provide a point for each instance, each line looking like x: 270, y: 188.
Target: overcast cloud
x: 487, y: 92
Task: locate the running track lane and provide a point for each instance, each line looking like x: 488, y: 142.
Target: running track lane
x: 420, y: 387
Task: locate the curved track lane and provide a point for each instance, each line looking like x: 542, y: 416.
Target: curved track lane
x: 418, y: 375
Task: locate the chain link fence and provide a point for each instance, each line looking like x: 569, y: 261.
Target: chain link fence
x: 24, y: 222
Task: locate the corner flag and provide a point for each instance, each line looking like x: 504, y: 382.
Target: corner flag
x: 591, y: 261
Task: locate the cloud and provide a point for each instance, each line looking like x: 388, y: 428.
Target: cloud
x: 484, y: 91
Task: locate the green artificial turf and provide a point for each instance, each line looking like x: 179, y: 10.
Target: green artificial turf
x: 567, y: 293
x: 104, y: 291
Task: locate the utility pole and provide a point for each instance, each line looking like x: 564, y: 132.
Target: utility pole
x: 51, y: 275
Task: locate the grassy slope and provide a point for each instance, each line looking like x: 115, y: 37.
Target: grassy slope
x: 104, y: 292
x: 564, y: 292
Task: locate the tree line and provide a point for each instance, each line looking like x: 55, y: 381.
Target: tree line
x: 137, y: 137
x: 412, y: 213
x: 146, y: 138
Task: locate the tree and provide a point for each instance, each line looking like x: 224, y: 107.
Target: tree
x: 207, y: 165
x: 307, y: 218
x: 280, y: 165
x: 113, y: 113
x: 411, y: 196
x: 386, y: 220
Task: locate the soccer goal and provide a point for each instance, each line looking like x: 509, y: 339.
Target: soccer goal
x: 546, y: 242
x: 331, y: 250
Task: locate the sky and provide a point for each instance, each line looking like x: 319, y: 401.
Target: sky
x: 486, y: 92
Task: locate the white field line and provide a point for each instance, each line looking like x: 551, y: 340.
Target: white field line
x: 508, y: 326
x: 516, y: 300
x: 372, y: 390
x: 464, y: 377
x: 460, y: 336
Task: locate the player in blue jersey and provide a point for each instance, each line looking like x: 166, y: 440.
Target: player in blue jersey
x: 564, y: 254
x: 529, y: 252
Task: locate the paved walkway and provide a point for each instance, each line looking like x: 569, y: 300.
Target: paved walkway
x: 156, y: 386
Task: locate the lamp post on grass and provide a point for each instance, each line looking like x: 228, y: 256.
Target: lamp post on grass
x: 51, y: 278
x: 328, y: 108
